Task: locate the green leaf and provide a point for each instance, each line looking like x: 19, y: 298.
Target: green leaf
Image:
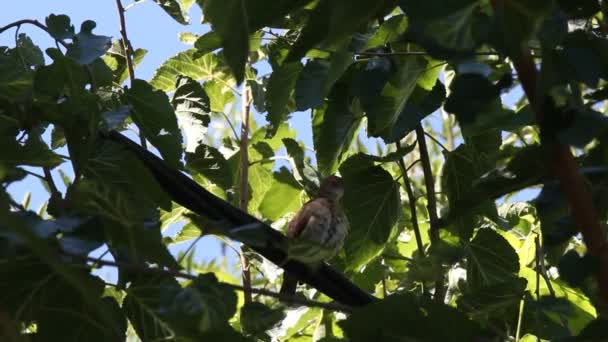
x: 142, y: 304
x: 32, y: 153
x: 490, y: 259
x: 117, y: 172
x: 385, y: 95
x: 256, y: 317
x: 445, y: 30
x: 153, y: 114
x: 279, y: 92
x: 59, y: 26
x: 219, y: 95
x: 64, y: 76
x: 519, y: 21
x: 463, y: 167
x: 208, y: 67
x: 210, y: 162
x: 208, y: 42
x: 282, y: 197
x: 88, y: 46
x: 309, y: 87
x: 470, y: 94
x: 372, y: 205
x: 333, y: 20
x: 115, y: 58
x: 188, y: 38
x: 334, y: 128
x: 173, y: 8
x: 304, y: 172
x: 420, y: 104
x: 14, y: 83
x: 31, y: 54
x: 319, y: 76
x: 45, y: 282
x: 388, y: 32
x: 587, y: 125
x: 409, y: 320
x: 229, y: 20
x: 494, y: 300
x: 192, y: 107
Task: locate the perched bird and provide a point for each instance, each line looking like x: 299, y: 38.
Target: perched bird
x: 318, y: 230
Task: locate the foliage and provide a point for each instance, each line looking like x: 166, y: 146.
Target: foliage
x: 374, y: 77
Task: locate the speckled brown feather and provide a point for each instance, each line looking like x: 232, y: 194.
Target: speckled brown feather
x: 320, y: 220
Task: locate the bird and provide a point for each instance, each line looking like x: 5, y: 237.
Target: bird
x: 317, y: 232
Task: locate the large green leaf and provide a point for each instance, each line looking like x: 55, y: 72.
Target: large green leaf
x: 420, y: 104
x: 443, y: 29
x: 333, y: 20
x: 463, y: 167
x: 208, y: 67
x: 256, y: 317
x: 115, y: 58
x: 60, y: 27
x: 209, y: 162
x: 318, y: 77
x: 229, y: 20
x: 334, y: 128
x: 390, y: 31
x: 32, y: 153
x: 174, y: 9
x: 88, y: 46
x: 490, y: 259
x: 14, y: 83
x: 192, y: 107
x: 279, y: 92
x: 153, y: 114
x: 371, y: 202
x: 282, y: 197
x: 404, y: 318
x: 385, y: 94
x: 159, y: 307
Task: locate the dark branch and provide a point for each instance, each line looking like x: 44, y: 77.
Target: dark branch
x: 191, y: 195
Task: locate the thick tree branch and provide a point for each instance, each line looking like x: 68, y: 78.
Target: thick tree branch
x: 186, y: 192
x: 562, y: 164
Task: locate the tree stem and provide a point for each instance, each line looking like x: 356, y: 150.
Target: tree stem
x: 431, y: 203
x: 126, y: 45
x: 244, y: 185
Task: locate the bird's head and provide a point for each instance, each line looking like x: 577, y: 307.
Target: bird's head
x: 332, y: 187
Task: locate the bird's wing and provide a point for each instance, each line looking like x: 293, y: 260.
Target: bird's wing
x: 315, y: 212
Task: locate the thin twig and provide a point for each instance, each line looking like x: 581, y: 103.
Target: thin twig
x: 31, y: 22
x: 236, y: 135
x: 431, y: 203
x: 436, y: 141
x: 126, y: 45
x: 407, y: 184
x: 34, y: 174
x: 48, y: 177
x: 178, y: 274
x: 244, y: 185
